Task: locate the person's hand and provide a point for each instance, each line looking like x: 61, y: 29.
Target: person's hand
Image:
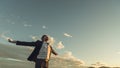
x: 56, y: 54
x: 11, y: 41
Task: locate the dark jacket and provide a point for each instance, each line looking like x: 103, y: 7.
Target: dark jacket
x: 37, y: 45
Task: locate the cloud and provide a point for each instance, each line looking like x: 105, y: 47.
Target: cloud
x: 11, y: 59
x: 5, y: 37
x: 51, y: 40
x: 27, y: 25
x: 44, y: 27
x: 35, y: 38
x: 67, y: 35
x: 60, y: 45
x: 99, y: 64
x: 68, y: 56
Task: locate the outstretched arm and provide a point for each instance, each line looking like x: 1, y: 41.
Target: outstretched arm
x: 53, y: 51
x: 22, y: 43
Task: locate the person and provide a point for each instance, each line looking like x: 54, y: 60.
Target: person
x: 41, y: 53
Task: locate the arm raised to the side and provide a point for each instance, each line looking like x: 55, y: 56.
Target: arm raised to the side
x: 22, y: 43
x: 53, y: 51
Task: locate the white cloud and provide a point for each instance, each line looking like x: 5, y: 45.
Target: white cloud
x: 27, y: 25
x: 69, y: 56
x: 51, y: 40
x: 11, y: 59
x: 35, y: 38
x: 67, y: 35
x: 44, y: 27
x: 60, y: 45
x: 99, y: 64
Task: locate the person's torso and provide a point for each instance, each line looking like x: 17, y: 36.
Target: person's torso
x: 44, y: 52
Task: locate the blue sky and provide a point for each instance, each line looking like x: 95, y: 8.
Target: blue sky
x: 93, y: 24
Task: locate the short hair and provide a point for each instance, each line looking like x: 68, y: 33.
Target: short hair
x: 43, y: 37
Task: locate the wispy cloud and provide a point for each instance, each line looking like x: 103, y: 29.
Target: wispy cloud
x: 4, y: 36
x: 67, y: 35
x: 69, y: 56
x: 11, y: 59
x: 35, y: 38
x: 51, y: 40
x: 60, y: 45
x: 10, y: 21
x: 44, y: 27
x: 27, y: 25
x: 99, y: 64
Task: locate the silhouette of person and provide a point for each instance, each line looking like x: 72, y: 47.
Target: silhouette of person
x: 41, y: 53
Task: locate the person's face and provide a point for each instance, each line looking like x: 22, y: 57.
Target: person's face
x: 45, y: 38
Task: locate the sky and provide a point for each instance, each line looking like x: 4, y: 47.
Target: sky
x: 89, y: 29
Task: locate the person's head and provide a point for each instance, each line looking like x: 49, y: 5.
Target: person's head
x: 44, y: 38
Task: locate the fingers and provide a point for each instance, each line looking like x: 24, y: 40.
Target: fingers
x: 9, y: 40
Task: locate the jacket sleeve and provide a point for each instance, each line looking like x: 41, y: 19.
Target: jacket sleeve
x: 22, y: 43
x: 53, y: 51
